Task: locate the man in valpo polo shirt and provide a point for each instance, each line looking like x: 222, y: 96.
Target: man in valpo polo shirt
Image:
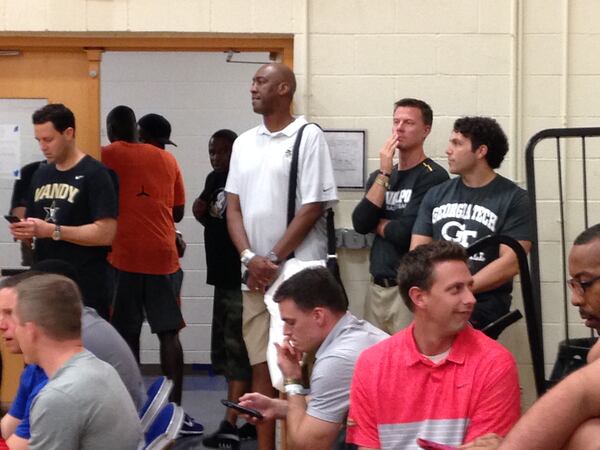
x: 439, y: 379
x: 390, y: 206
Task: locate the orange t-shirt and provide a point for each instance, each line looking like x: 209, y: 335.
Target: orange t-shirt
x: 150, y: 185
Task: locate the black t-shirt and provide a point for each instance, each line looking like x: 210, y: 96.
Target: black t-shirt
x: 78, y: 196
x: 222, y: 259
x: 455, y: 212
x: 402, y: 200
x: 21, y: 186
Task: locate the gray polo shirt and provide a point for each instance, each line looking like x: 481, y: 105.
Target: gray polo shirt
x: 334, y: 366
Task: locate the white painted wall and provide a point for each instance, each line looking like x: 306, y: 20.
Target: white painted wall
x: 531, y: 64
x: 18, y: 112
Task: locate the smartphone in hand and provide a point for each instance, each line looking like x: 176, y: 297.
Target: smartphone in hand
x: 12, y: 219
x: 242, y: 409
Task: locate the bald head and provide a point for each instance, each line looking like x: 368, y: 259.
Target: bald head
x: 272, y: 90
x: 282, y: 74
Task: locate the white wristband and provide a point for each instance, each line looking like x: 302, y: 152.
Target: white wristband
x: 246, y: 256
x: 294, y: 389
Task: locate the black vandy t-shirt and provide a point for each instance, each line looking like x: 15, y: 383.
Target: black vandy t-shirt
x: 454, y: 212
x: 77, y: 196
x: 222, y: 259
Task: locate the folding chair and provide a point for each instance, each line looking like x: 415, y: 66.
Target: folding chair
x: 158, y: 397
x: 164, y: 429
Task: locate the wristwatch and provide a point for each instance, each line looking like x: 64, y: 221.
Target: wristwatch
x: 246, y: 256
x: 56, y: 233
x: 382, y: 181
x: 271, y: 256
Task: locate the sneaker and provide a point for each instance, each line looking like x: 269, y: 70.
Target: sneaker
x: 247, y: 432
x: 190, y: 427
x: 225, y: 437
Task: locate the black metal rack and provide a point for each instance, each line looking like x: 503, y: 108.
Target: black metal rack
x: 534, y: 324
x: 534, y: 332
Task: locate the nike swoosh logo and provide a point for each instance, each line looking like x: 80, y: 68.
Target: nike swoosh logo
x: 327, y: 189
x: 78, y: 177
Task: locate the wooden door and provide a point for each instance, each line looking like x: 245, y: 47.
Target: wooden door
x: 61, y: 76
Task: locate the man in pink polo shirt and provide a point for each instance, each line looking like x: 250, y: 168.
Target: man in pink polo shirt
x: 439, y: 379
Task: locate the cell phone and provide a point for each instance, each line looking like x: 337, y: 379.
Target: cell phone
x: 430, y: 445
x: 12, y: 219
x: 242, y: 409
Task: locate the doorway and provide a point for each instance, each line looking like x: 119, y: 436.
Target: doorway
x: 67, y: 69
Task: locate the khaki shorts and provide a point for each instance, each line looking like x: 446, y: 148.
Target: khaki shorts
x: 255, y: 326
x: 385, y: 308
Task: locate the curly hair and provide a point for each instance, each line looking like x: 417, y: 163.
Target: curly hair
x: 484, y: 131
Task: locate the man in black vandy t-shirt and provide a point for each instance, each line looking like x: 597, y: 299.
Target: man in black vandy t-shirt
x: 476, y: 204
x: 390, y: 206
x: 228, y: 351
x: 72, y: 206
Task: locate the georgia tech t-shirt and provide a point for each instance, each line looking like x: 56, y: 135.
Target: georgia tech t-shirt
x: 452, y: 211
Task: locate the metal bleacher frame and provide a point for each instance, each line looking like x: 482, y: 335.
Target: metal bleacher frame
x: 534, y: 326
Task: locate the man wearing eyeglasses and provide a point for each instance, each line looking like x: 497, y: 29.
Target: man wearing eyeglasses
x: 568, y: 416
x: 584, y: 269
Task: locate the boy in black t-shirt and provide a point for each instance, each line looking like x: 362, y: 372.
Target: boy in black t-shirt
x: 478, y: 203
x: 228, y: 351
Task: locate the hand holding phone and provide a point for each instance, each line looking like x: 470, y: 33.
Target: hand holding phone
x: 242, y: 409
x: 12, y: 219
x: 430, y: 445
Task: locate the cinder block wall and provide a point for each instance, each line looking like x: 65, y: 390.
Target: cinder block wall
x: 531, y: 64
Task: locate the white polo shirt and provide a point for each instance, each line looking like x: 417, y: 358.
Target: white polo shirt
x: 259, y: 174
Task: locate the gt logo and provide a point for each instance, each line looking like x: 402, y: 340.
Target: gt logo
x: 457, y: 232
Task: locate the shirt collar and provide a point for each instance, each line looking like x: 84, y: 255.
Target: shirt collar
x: 288, y: 131
x: 345, y: 320
x: 457, y: 353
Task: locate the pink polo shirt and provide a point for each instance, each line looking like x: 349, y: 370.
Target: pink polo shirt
x: 398, y: 394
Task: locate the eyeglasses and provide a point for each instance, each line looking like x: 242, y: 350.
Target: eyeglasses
x: 579, y: 287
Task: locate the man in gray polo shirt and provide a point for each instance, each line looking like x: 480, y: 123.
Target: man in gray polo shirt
x: 313, y: 308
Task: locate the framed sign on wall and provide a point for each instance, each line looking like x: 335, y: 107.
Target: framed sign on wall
x: 348, y: 155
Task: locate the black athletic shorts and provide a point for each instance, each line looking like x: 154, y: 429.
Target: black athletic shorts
x: 138, y: 296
